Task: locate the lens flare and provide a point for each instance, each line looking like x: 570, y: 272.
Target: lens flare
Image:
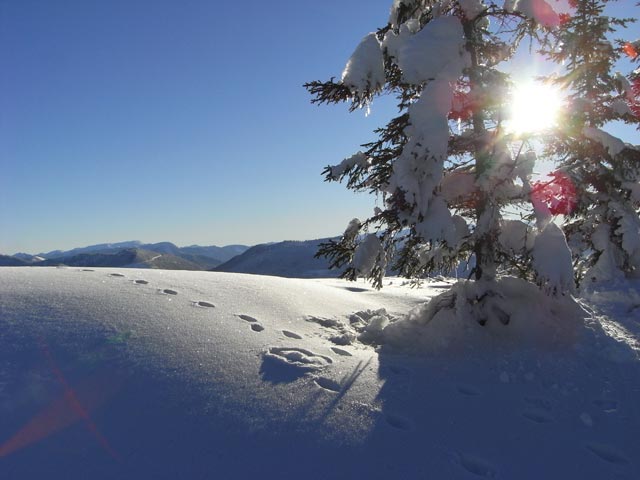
x: 534, y: 108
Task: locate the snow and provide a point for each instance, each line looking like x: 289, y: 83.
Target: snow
x: 434, y: 55
x: 515, y: 236
x: 437, y: 50
x: 538, y: 10
x: 612, y: 144
x: 634, y: 188
x: 457, y: 185
x: 253, y: 387
x: 472, y: 8
x: 365, y: 69
x: 552, y: 260
x: 358, y: 159
x: 437, y: 224
x: 367, y: 255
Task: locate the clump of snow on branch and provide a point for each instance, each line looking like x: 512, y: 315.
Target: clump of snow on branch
x: 457, y: 185
x: 418, y: 169
x: 538, y: 10
x: 472, y: 8
x: 365, y: 69
x: 352, y: 230
x: 435, y: 55
x: 634, y: 190
x: 437, y: 50
x: 612, y: 144
x: 552, y: 260
x: 356, y: 160
x: 515, y: 236
x: 439, y: 225
x: 606, y: 266
x: 368, y: 253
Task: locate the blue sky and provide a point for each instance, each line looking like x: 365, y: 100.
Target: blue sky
x: 174, y: 120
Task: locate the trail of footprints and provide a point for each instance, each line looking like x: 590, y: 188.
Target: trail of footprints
x: 537, y: 410
x: 162, y: 291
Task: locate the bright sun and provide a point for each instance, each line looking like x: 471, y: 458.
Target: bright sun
x: 534, y: 108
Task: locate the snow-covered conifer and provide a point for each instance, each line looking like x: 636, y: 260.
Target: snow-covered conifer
x: 446, y: 168
x: 603, y: 225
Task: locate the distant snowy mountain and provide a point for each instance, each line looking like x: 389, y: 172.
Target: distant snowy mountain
x: 127, y: 258
x: 8, y: 261
x: 164, y: 255
x: 283, y: 259
x: 223, y: 254
x: 27, y: 257
x: 219, y: 254
x: 101, y: 247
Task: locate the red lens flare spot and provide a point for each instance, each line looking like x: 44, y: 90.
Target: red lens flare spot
x: 70, y: 407
x: 558, y: 193
x: 630, y: 51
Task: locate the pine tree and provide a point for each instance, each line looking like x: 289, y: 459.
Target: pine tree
x: 445, y: 167
x: 603, y: 225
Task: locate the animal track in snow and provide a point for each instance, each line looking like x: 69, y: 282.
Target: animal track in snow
x: 607, y: 406
x: 538, y: 403
x: 398, y: 421
x: 116, y: 275
x: 299, y: 357
x: 398, y: 370
x: 140, y: 282
x: 203, y: 304
x: 476, y: 465
x: 168, y: 291
x: 248, y: 318
x: 340, y: 351
x: 327, y: 384
x: 607, y: 453
x: 468, y: 391
x: 87, y: 270
x: 324, y: 322
x: 537, y: 415
x: 256, y: 327
x: 289, y: 334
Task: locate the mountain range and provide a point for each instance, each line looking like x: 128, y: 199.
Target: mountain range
x: 131, y: 254
x: 283, y: 259
x: 293, y: 259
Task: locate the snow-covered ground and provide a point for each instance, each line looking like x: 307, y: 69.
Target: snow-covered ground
x: 148, y: 374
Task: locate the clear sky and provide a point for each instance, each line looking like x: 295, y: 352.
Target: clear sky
x: 183, y: 121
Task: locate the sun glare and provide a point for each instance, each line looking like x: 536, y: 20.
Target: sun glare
x: 534, y: 108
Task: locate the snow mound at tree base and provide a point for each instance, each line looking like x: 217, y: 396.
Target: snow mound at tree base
x: 472, y: 316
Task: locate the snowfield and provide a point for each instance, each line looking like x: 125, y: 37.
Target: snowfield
x: 150, y: 374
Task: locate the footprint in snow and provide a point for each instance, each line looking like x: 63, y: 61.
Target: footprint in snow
x: 477, y: 466
x: 539, y: 403
x: 256, y: 327
x: 203, y: 304
x: 340, y: 351
x: 299, y: 357
x: 140, y: 282
x: 398, y: 370
x: 607, y: 453
x: 248, y: 318
x: 116, y: 275
x: 537, y: 415
x: 87, y: 270
x: 607, y: 406
x: 327, y: 384
x: 168, y: 291
x: 294, y: 335
x: 398, y: 421
x: 468, y: 391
